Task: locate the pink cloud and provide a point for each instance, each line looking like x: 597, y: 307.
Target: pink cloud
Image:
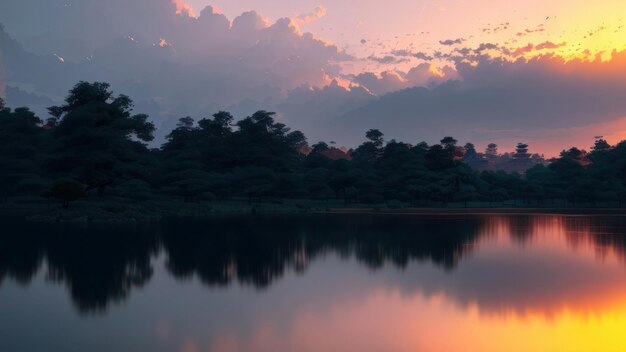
x: 316, y: 14
x: 183, y: 8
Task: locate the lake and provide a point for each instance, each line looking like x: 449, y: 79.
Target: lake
x: 341, y: 282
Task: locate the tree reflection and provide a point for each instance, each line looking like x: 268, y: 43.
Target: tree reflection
x: 97, y: 266
x: 260, y: 250
x: 102, y: 267
x: 21, y: 255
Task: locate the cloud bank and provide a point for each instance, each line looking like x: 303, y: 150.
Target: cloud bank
x: 176, y: 62
x: 514, y: 99
x: 162, y: 54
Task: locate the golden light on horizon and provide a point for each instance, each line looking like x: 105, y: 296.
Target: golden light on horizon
x: 585, y: 315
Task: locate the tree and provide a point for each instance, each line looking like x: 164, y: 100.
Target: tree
x: 255, y: 182
x: 376, y: 137
x: 369, y: 151
x: 191, y: 185
x: 262, y: 142
x: 439, y: 158
x: 317, y: 157
x: 570, y: 173
x: 470, y: 151
x: 55, y: 115
x: 185, y: 123
x: 219, y: 126
x: 2, y: 104
x: 600, y: 151
x: 23, y: 147
x: 67, y: 190
x: 448, y: 143
x: 601, y: 145
x: 99, y: 140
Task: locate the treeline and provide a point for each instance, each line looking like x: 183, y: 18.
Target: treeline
x: 94, y: 144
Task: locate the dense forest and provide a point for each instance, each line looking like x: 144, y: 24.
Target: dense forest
x: 95, y: 146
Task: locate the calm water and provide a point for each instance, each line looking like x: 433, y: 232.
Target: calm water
x: 318, y: 283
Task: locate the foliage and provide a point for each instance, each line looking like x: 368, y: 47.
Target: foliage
x: 94, y: 141
x: 66, y: 190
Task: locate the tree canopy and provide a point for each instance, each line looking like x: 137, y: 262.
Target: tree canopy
x: 95, y: 142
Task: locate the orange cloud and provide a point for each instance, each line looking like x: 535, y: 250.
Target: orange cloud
x: 523, y: 50
x: 183, y: 8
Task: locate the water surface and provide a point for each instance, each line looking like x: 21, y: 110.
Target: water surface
x: 318, y: 283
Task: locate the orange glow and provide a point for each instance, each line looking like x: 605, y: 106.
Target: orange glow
x: 387, y: 321
x: 589, y: 317
x: 183, y: 8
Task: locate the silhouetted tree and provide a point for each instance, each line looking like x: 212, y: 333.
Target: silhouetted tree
x: 99, y: 140
x: 95, y: 139
x: 24, y: 148
x: 66, y: 190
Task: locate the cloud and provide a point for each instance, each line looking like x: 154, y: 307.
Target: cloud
x: 407, y: 53
x: 182, y: 8
x: 385, y: 60
x: 427, y: 75
x: 318, y: 12
x: 182, y: 62
x: 186, y: 64
x: 383, y: 83
x: 315, y: 110
x: 487, y: 46
x: 523, y: 50
x: 531, y: 47
x: 450, y: 42
x: 549, y: 45
x: 422, y: 75
x: 543, y: 93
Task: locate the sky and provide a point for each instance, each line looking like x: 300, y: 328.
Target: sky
x: 552, y: 74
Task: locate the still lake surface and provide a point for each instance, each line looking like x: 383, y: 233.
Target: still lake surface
x: 318, y: 283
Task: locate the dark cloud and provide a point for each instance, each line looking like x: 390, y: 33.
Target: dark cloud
x: 450, y: 42
x: 544, y: 93
x: 315, y: 110
x: 407, y: 53
x: 387, y: 59
x: 422, y: 56
x: 175, y: 63
x: 487, y: 46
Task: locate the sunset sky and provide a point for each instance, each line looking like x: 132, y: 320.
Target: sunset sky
x: 421, y: 25
x: 552, y: 74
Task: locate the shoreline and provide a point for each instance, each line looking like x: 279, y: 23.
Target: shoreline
x: 484, y: 211
x: 112, y: 211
